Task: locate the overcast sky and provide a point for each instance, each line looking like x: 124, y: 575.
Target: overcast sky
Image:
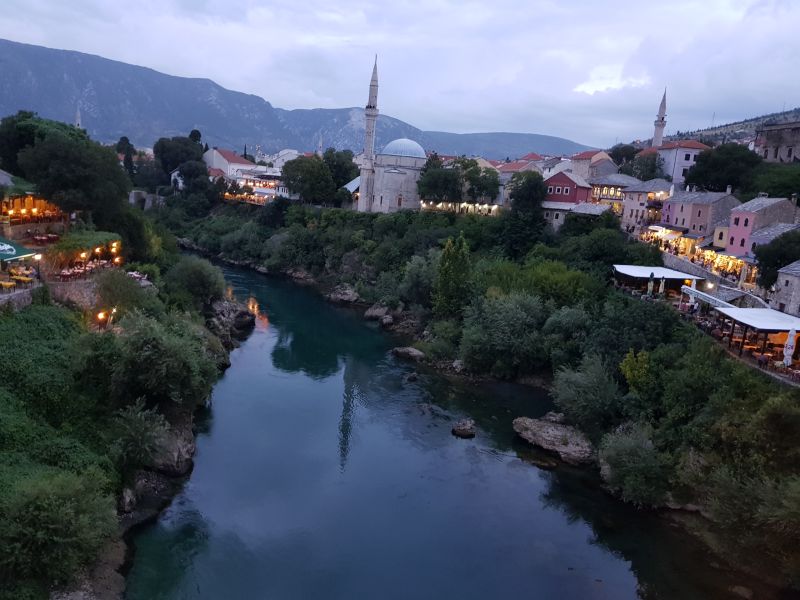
x: 592, y: 71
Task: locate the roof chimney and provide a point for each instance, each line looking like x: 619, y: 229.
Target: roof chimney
x: 763, y: 194
x: 729, y: 189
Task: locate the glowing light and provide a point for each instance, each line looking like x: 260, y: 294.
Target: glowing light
x: 83, y: 254
x: 117, y: 260
x: 37, y: 257
x: 98, y: 250
x: 101, y: 316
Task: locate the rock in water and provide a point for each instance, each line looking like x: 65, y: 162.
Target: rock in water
x: 411, y: 377
x: 409, y: 353
x: 570, y: 444
x: 345, y: 293
x: 465, y: 428
x: 387, y: 321
x: 376, y: 312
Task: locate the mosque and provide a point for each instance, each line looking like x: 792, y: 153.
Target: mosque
x: 388, y: 180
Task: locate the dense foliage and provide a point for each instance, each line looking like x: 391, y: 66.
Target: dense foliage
x: 674, y: 418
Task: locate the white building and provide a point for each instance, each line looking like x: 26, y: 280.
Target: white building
x: 388, y: 181
x: 227, y: 161
x: 679, y: 157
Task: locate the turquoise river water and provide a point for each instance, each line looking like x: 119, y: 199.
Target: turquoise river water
x: 321, y: 473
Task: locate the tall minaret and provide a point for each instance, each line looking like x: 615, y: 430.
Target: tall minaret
x: 367, y: 184
x: 660, y: 122
x: 78, y: 117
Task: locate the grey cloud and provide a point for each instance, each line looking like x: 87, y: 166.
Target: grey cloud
x: 592, y: 72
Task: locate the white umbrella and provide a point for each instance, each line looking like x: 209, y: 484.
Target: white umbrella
x: 788, y: 348
x: 661, y: 287
x: 650, y: 285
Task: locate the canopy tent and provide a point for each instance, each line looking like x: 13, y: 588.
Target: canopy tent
x: 639, y: 272
x: 762, y: 319
x: 11, y: 251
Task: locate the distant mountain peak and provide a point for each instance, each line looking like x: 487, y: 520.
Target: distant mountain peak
x: 117, y: 99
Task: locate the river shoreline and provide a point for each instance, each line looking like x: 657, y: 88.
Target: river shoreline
x: 690, y: 520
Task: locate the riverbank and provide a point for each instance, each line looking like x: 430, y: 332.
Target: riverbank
x: 151, y: 489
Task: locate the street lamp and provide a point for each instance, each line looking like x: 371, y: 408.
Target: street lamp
x: 38, y: 258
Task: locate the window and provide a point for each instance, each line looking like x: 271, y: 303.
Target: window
x: 566, y: 190
x: 789, y: 152
x: 731, y: 242
x: 746, y: 221
x: 694, y: 158
x: 753, y: 247
x: 556, y: 217
x: 684, y: 172
x: 736, y: 220
x: 693, y: 226
x: 683, y: 221
x: 631, y: 213
x: 775, y: 152
x: 741, y: 243
x: 687, y: 157
x: 701, y: 228
x: 558, y: 189
x: 547, y: 215
x: 699, y: 213
x: 681, y: 207
x: 549, y: 189
x: 786, y: 283
x: 766, y: 152
x: 720, y: 236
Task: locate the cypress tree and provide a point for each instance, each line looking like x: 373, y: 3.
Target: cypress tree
x: 451, y: 288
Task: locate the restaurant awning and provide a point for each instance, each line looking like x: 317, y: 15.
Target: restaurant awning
x: 11, y: 251
x: 640, y: 272
x: 762, y: 319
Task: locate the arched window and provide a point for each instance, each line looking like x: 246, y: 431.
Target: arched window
x: 746, y: 222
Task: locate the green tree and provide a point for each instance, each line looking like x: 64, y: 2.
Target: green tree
x: 635, y: 469
x: 196, y: 136
x: 622, y: 153
x: 589, y: 396
x: 123, y: 145
x: 527, y: 192
x: 76, y: 174
x: 310, y: 177
x: 341, y: 166
x: 727, y: 164
x: 525, y: 222
x: 170, y: 153
x: 781, y: 251
x: 440, y: 184
x: 776, y: 180
x: 196, y: 281
x: 451, y: 288
x: 645, y: 166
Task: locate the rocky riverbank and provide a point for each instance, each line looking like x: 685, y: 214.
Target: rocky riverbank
x: 150, y: 490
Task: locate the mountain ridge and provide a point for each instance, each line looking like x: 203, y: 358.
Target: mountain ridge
x: 118, y: 98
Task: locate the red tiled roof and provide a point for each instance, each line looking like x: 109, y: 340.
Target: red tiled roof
x: 494, y: 163
x: 647, y: 151
x: 214, y: 172
x: 232, y: 157
x: 531, y: 156
x: 690, y: 144
x: 513, y: 166
x: 585, y: 155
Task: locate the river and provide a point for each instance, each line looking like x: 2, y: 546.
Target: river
x: 321, y: 473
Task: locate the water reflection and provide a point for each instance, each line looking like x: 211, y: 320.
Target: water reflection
x: 327, y: 474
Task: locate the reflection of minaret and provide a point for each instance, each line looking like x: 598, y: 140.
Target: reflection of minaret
x: 78, y: 117
x: 660, y: 122
x: 348, y: 410
x: 367, y: 184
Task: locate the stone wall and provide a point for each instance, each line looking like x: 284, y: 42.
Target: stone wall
x: 80, y: 293
x: 679, y: 264
x: 18, y: 299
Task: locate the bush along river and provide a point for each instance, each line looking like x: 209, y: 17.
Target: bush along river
x: 324, y: 471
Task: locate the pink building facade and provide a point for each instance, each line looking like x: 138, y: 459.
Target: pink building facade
x: 752, y: 216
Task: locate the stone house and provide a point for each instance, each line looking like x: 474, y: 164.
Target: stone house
x: 753, y: 216
x: 642, y: 203
x: 779, y: 142
x: 786, y: 297
x: 592, y: 164
x: 693, y: 212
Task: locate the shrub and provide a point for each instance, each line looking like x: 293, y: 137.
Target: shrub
x: 138, y: 435
x: 54, y: 524
x: 116, y: 290
x: 589, y: 396
x: 196, y: 281
x: 636, y: 471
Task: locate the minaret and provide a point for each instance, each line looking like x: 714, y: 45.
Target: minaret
x: 367, y: 184
x: 660, y: 122
x: 78, y: 117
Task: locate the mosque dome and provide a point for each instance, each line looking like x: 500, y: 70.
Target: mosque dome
x: 404, y: 147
